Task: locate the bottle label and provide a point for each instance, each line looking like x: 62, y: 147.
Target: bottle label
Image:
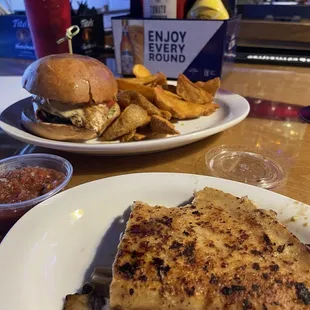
x: 160, y: 8
x: 127, y: 62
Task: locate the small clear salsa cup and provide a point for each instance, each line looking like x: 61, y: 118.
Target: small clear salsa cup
x: 10, y: 213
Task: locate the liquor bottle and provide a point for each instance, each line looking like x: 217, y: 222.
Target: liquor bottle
x: 127, y: 57
x: 164, y: 8
x: 208, y: 9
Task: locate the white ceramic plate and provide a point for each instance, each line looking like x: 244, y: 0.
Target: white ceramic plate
x: 53, y: 249
x: 233, y: 109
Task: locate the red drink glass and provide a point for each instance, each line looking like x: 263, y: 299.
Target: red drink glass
x: 48, y: 21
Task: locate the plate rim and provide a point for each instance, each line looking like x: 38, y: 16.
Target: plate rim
x: 45, y: 203
x: 121, y: 148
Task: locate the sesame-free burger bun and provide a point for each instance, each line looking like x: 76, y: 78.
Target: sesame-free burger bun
x: 70, y: 79
x: 53, y: 131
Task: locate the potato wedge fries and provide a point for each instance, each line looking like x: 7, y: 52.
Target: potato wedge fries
x: 130, y: 119
x: 166, y: 114
x: 169, y: 93
x: 139, y: 137
x: 161, y: 125
x: 148, y: 104
x: 127, y: 97
x: 152, y: 80
x: 146, y: 91
x: 181, y: 109
x: 140, y: 71
x: 192, y: 92
x: 211, y: 86
x: 128, y: 137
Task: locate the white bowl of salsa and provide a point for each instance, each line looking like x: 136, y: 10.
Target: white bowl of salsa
x: 27, y: 180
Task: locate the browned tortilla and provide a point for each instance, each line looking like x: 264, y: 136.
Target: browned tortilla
x: 221, y: 252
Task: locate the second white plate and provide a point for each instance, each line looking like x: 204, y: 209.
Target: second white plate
x: 53, y: 249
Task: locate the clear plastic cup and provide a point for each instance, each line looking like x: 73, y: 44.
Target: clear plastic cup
x: 11, y: 212
x: 248, y: 164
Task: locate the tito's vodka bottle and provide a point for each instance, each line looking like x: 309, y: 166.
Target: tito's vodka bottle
x: 127, y: 57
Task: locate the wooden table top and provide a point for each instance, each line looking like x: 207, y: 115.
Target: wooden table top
x: 290, y: 138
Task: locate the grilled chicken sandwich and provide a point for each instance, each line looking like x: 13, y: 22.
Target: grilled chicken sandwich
x: 73, y: 97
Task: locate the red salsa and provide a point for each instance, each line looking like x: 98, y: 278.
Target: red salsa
x: 27, y: 183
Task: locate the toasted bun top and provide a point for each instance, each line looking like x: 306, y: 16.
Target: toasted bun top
x: 70, y: 79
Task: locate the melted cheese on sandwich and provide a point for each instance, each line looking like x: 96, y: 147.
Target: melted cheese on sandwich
x: 84, y: 116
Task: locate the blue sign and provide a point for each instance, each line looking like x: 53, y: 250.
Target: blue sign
x: 15, y: 37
